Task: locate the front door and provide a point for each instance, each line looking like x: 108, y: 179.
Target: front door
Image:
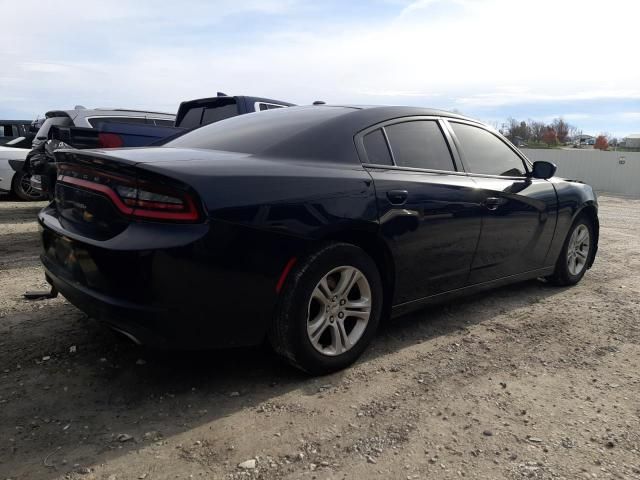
x: 519, y: 212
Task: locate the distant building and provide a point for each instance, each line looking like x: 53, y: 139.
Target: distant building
x: 584, y: 140
x: 632, y: 141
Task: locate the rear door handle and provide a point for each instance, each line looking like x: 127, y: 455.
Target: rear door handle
x: 397, y: 197
x: 492, y: 203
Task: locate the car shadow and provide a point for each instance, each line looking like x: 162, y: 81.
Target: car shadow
x: 81, y: 383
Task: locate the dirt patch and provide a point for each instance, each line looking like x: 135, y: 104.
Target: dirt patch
x: 527, y: 381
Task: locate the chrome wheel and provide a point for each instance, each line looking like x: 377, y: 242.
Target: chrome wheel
x: 339, y: 310
x: 578, y: 250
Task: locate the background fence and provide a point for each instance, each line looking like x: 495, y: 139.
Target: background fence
x: 613, y: 172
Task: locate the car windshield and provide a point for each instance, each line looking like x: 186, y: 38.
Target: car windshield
x: 256, y: 132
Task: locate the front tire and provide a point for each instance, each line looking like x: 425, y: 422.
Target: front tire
x: 576, y: 254
x: 329, y: 309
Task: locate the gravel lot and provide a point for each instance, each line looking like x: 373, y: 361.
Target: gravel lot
x: 528, y: 381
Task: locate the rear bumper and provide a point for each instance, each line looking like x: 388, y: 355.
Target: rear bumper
x: 143, y: 324
x: 173, y: 287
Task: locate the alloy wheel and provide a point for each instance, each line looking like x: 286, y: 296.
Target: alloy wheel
x: 578, y: 250
x: 339, y: 310
x: 27, y: 190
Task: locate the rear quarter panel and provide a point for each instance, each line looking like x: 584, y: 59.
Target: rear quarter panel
x: 261, y: 214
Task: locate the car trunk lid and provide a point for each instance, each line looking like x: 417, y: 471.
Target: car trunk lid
x: 97, y: 195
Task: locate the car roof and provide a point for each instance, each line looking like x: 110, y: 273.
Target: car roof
x: 333, y: 138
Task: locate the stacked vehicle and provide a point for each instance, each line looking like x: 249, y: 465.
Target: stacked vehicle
x: 83, y: 128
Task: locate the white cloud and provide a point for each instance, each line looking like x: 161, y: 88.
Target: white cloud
x: 483, y: 53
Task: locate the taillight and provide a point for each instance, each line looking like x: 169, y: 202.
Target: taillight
x: 138, y: 199
x: 110, y: 140
x: 150, y: 201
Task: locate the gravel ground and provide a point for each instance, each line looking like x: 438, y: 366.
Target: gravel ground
x: 528, y: 381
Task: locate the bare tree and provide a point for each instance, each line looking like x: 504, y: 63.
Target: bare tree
x: 561, y: 128
x: 518, y: 129
x: 574, y: 131
x: 537, y: 130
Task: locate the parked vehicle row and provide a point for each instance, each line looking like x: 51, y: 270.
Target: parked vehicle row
x: 10, y: 130
x: 305, y: 226
x: 32, y: 176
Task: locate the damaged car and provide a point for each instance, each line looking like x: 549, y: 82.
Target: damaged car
x: 306, y: 226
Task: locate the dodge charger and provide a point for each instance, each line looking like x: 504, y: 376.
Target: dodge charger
x: 306, y: 226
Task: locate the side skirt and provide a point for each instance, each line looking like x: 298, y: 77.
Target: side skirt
x: 407, y: 307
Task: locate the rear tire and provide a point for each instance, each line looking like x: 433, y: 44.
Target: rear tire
x: 22, y: 188
x: 329, y: 309
x: 576, y: 254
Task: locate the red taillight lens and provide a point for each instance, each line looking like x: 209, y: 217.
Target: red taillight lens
x: 149, y: 201
x: 110, y: 140
x: 138, y: 199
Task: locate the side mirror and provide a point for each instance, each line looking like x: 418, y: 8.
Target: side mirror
x: 543, y: 170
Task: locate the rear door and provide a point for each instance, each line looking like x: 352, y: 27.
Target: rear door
x: 518, y: 212
x: 428, y: 210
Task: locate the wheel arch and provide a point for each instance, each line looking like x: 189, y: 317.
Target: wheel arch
x: 379, y: 251
x: 590, y: 210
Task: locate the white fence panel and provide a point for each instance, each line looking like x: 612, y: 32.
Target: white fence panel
x: 613, y: 172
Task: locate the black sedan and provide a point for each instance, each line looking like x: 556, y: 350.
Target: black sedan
x: 305, y: 226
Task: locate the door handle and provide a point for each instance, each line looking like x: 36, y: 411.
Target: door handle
x: 397, y: 197
x: 492, y: 203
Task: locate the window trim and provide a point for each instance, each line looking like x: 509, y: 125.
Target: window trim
x: 256, y: 106
x: 525, y: 161
x: 364, y: 159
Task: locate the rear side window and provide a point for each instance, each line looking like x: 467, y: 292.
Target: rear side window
x: 419, y: 144
x: 377, y: 149
x: 485, y: 153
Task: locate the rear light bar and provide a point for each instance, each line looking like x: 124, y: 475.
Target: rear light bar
x: 137, y: 199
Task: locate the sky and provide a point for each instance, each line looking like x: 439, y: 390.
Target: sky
x: 488, y: 59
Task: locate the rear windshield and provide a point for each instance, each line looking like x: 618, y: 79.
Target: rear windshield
x: 256, y: 132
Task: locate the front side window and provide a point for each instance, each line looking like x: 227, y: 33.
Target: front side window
x: 486, y: 154
x: 419, y: 144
